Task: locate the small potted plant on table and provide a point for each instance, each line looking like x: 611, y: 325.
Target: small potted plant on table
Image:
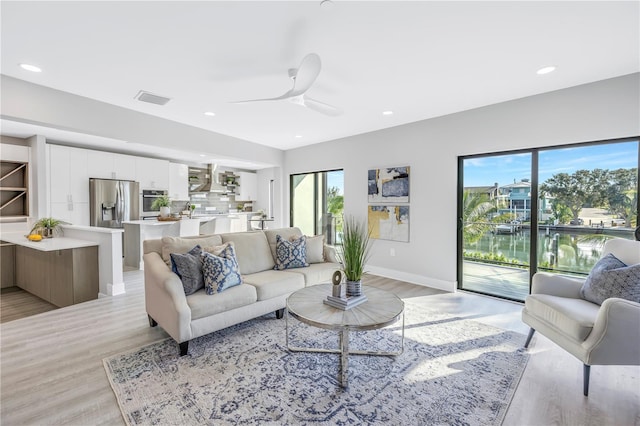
x: 354, y: 254
x: 45, y: 227
x: 162, y: 203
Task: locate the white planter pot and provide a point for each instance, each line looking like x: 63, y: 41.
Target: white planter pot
x: 165, y: 211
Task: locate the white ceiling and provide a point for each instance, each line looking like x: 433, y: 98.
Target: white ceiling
x: 420, y: 59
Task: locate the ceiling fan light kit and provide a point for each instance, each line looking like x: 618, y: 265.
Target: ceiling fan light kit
x: 303, y: 78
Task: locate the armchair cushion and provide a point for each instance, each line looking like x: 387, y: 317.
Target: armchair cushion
x: 610, y: 277
x: 572, y: 317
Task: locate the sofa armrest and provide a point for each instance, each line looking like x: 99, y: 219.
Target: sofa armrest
x: 615, y: 335
x: 556, y: 285
x: 330, y: 254
x: 165, y: 300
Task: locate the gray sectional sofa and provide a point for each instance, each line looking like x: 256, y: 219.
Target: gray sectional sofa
x: 263, y: 289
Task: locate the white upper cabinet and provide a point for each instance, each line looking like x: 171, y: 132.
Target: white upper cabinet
x: 69, y: 177
x: 248, y: 188
x: 152, y: 173
x: 178, y: 181
x: 108, y: 165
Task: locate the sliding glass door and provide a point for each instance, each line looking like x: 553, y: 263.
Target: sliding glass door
x: 542, y: 210
x: 317, y: 200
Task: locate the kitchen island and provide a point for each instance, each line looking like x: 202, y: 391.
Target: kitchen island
x: 60, y: 270
x: 136, y: 231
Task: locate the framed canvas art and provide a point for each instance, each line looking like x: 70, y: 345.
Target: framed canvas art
x: 389, y: 222
x: 390, y: 184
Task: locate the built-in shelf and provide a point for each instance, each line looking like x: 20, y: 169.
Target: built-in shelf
x: 14, y: 189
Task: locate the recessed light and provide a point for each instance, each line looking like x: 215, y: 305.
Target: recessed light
x: 546, y: 70
x: 202, y: 155
x: 30, y: 67
x: 387, y: 112
x: 298, y: 136
x: 209, y: 113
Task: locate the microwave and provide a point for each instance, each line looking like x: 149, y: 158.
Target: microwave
x: 147, y: 198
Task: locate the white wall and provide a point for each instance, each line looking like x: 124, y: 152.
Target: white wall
x: 603, y: 110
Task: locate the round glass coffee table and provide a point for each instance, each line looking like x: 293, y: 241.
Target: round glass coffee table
x: 381, y: 309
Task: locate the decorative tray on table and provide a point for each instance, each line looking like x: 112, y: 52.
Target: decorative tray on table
x: 168, y: 218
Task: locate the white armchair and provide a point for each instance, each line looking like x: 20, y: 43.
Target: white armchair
x: 607, y: 334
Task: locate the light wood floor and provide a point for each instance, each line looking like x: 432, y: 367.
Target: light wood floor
x: 52, y: 371
x: 15, y: 303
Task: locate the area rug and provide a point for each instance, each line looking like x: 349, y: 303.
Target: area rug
x: 453, y: 371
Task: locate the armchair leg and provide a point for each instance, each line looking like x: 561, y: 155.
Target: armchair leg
x: 280, y: 313
x: 531, y: 331
x: 585, y: 386
x: 184, y: 348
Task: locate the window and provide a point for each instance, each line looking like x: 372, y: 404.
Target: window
x: 542, y: 209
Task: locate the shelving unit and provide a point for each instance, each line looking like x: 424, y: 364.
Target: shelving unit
x: 14, y: 189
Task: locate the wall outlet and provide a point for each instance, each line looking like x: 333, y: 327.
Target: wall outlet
x: 392, y: 252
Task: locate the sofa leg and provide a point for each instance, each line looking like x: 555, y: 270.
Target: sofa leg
x: 585, y: 387
x: 152, y: 322
x: 531, y: 331
x: 184, y: 348
x: 280, y: 313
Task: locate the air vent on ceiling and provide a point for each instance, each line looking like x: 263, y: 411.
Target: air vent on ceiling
x: 151, y: 98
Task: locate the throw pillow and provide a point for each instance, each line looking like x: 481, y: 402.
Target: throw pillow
x: 610, y: 277
x: 184, y: 244
x: 220, y: 272
x: 188, y: 267
x: 291, y: 254
x: 315, y: 249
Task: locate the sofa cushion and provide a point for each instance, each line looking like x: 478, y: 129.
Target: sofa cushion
x: 203, y: 305
x: 291, y: 254
x: 271, y: 283
x: 220, y: 272
x: 188, y: 266
x: 315, y: 249
x: 252, y: 251
x: 317, y: 273
x: 184, y: 244
x: 572, y: 317
x: 610, y: 277
x: 286, y: 233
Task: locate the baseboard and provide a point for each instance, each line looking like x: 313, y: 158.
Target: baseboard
x: 450, y: 286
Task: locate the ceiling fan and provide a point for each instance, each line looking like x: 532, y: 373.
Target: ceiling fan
x: 303, y: 77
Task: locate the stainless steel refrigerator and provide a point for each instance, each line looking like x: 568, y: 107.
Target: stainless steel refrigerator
x: 113, y: 201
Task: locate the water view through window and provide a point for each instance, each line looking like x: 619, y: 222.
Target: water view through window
x: 573, y: 197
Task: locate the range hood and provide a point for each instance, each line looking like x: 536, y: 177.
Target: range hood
x: 212, y: 184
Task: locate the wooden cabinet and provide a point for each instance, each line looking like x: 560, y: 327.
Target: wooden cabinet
x: 61, y: 277
x: 152, y: 173
x: 247, y: 189
x: 7, y: 264
x: 178, y: 182
x: 14, y: 189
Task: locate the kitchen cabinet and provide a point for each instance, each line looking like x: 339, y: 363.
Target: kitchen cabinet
x: 7, y: 263
x: 69, y: 184
x: 62, y: 277
x: 152, y: 173
x: 109, y: 165
x: 247, y: 190
x: 179, y: 181
x: 238, y: 222
x: 14, y: 189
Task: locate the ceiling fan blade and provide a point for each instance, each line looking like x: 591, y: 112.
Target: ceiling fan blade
x: 285, y: 96
x: 321, y: 107
x: 306, y: 74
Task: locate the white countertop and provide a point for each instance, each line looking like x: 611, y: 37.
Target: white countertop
x: 93, y: 229
x: 154, y: 222
x: 47, y: 244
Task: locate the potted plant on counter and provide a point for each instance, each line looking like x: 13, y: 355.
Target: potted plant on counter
x: 45, y: 227
x: 354, y: 254
x: 162, y: 203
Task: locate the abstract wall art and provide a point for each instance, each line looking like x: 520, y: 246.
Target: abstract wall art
x: 390, y: 184
x: 389, y: 222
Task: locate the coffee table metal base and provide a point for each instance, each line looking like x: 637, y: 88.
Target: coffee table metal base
x: 344, y: 351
